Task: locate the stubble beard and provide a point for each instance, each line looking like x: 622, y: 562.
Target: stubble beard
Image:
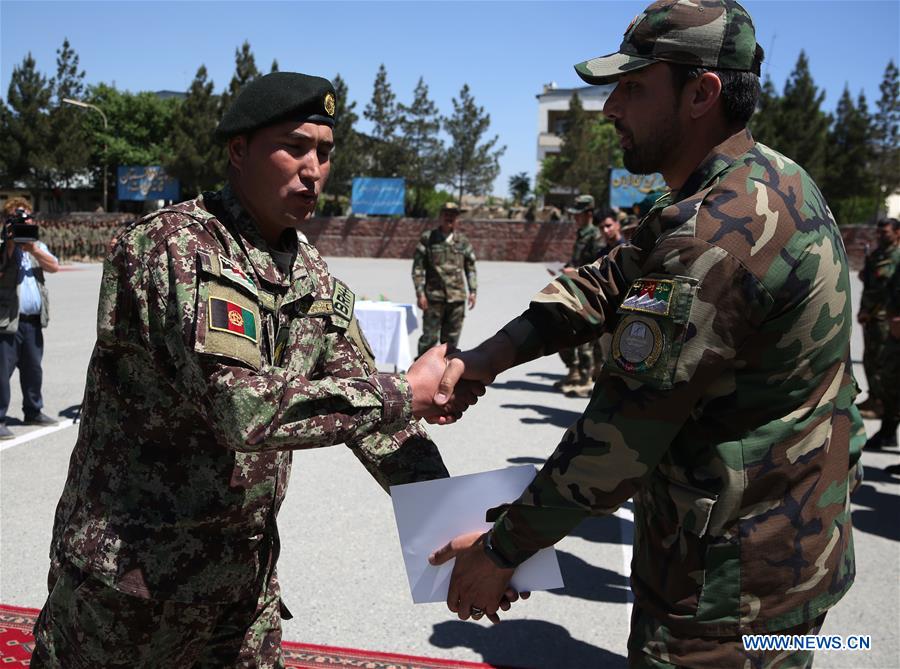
x: 658, y: 148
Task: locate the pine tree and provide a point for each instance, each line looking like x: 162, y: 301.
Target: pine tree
x: 764, y: 123
x: 473, y: 164
x: 274, y: 67
x: 197, y: 159
x: 386, y: 153
x: 887, y: 133
x: 26, y: 132
x: 802, y: 129
x: 420, y: 123
x: 848, y: 185
x: 244, y: 72
x: 346, y: 159
x: 70, y: 143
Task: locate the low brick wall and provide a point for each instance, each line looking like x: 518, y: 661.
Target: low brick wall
x: 492, y: 239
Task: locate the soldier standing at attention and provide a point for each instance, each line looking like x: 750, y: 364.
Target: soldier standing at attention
x: 580, y: 359
x: 442, y: 258
x: 725, y: 407
x: 223, y: 343
x: 881, y: 264
x: 887, y: 276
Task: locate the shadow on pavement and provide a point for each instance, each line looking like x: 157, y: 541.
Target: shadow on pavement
x: 605, y: 530
x: 527, y: 461
x: 525, y: 644
x: 559, y: 417
x: 73, y: 412
x: 526, y: 385
x: 587, y: 581
x: 880, y: 518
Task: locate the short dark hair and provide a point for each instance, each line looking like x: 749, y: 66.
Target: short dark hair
x: 884, y: 222
x: 740, y: 90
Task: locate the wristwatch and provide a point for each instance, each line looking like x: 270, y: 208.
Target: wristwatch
x: 492, y: 553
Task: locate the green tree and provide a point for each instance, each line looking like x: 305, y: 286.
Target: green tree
x: 764, y: 123
x: 472, y: 162
x: 519, y: 187
x: 386, y: 152
x: 802, y: 130
x: 419, y: 125
x: 347, y: 158
x: 887, y: 133
x: 26, y: 126
x: 245, y: 71
x: 589, y: 149
x: 69, y: 145
x: 274, y: 67
x: 196, y: 158
x: 848, y: 185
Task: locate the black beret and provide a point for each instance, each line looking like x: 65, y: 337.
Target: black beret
x: 275, y: 97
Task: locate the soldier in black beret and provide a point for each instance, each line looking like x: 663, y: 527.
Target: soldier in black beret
x: 223, y: 344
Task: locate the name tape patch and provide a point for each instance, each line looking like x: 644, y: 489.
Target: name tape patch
x: 227, y: 316
x: 342, y: 300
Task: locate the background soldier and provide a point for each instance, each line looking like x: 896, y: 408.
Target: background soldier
x: 881, y: 264
x: 888, y: 364
x: 580, y: 359
x: 442, y: 258
x: 222, y: 343
x: 721, y: 411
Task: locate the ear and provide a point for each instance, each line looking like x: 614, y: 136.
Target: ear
x: 705, y: 92
x: 237, y: 151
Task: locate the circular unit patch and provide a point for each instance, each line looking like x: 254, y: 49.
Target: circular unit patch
x: 637, y: 343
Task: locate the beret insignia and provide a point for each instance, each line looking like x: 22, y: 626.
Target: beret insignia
x: 329, y: 104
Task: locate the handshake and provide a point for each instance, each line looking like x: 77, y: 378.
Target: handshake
x: 445, y: 384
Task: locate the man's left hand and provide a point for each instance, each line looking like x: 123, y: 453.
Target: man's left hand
x: 471, y: 301
x: 476, y: 581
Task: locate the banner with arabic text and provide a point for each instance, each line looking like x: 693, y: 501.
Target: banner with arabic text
x: 373, y: 195
x: 146, y: 183
x: 627, y: 190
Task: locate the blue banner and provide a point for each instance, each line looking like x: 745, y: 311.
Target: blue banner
x: 146, y: 183
x: 378, y: 196
x: 627, y: 190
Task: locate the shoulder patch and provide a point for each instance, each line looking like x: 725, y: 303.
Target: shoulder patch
x: 320, y: 307
x: 228, y: 316
x: 637, y: 344
x: 652, y: 296
x: 342, y: 300
x: 232, y: 271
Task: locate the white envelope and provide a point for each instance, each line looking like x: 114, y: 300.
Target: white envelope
x: 431, y: 513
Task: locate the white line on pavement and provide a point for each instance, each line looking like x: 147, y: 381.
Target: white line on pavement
x: 37, y: 434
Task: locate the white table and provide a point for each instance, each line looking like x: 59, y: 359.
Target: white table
x: 387, y: 326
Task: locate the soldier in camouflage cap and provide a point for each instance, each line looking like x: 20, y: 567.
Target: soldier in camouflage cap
x: 443, y: 265
x: 223, y: 344
x: 725, y: 405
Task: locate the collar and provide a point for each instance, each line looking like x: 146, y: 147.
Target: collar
x: 257, y: 249
x: 717, y: 161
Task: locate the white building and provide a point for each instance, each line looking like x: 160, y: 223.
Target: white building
x: 553, y: 109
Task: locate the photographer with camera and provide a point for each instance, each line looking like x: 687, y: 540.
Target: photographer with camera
x: 24, y: 311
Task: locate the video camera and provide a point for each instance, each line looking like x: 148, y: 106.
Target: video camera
x: 19, y: 228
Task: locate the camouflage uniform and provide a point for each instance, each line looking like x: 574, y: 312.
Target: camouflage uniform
x: 725, y: 408
x: 881, y: 264
x: 580, y: 359
x: 212, y: 362
x: 439, y: 265
x: 889, y: 370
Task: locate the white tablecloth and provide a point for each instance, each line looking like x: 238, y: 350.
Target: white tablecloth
x: 387, y: 326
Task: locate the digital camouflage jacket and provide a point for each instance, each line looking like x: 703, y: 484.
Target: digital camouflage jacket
x: 439, y: 267
x: 211, y: 364
x: 725, y: 405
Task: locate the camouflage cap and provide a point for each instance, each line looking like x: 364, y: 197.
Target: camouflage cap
x: 451, y: 207
x: 717, y: 34
x: 275, y: 97
x: 582, y: 203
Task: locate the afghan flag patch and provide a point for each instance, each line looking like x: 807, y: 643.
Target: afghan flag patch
x: 227, y: 316
x: 651, y: 296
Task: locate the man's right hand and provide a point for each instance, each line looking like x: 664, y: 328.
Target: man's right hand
x: 862, y: 318
x: 482, y: 364
x: 423, y: 302
x: 424, y: 378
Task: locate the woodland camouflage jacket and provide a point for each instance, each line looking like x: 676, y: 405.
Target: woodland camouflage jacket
x: 725, y: 405
x: 211, y: 363
x: 439, y: 267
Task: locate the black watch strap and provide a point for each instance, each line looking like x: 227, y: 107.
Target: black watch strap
x: 495, y: 557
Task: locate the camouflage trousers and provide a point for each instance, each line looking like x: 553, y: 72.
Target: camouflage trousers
x: 875, y: 336
x: 86, y: 624
x: 579, y: 359
x: 889, y: 374
x: 441, y: 323
x: 652, y: 645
